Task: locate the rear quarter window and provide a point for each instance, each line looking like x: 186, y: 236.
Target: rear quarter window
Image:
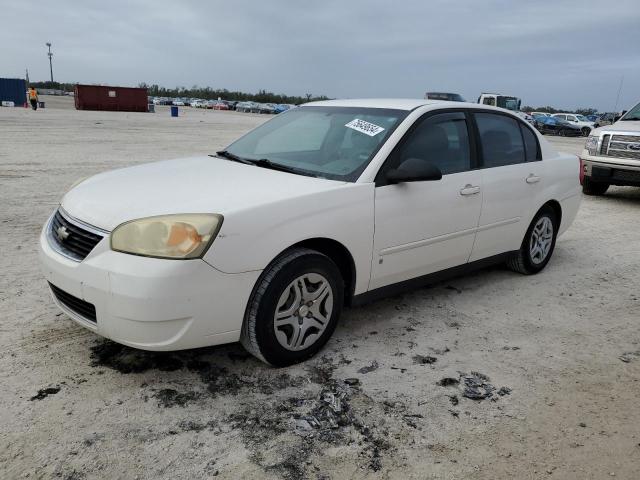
x: 531, y: 146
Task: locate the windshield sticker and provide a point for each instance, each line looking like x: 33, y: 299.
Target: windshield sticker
x: 367, y: 128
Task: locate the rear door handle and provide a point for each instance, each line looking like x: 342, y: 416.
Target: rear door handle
x: 470, y: 190
x: 532, y: 178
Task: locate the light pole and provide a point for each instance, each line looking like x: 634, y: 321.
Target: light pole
x: 50, y: 64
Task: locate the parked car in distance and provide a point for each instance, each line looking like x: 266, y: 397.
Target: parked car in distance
x: 580, y: 120
x: 525, y: 116
x: 318, y: 208
x: 605, y: 119
x: 611, y: 155
x: 220, y: 105
x: 540, y: 114
x: 556, y: 126
x: 449, y: 97
x: 248, y: 107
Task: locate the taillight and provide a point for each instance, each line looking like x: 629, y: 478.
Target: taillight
x: 581, y: 174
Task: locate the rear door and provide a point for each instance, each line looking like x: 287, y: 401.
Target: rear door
x: 424, y: 227
x: 512, y: 177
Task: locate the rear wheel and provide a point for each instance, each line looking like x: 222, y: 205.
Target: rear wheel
x: 589, y: 187
x: 586, y: 131
x: 538, y: 243
x: 294, y: 308
x: 561, y: 132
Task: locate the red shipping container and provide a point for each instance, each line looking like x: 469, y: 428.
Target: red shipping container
x: 119, y: 99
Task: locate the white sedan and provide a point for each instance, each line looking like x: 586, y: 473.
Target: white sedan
x: 330, y: 204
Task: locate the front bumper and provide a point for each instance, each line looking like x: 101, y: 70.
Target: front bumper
x: 150, y: 303
x: 610, y: 170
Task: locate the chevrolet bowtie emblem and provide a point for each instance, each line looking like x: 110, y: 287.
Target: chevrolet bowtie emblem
x: 62, y: 233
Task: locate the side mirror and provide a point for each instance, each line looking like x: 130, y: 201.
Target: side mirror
x: 414, y: 170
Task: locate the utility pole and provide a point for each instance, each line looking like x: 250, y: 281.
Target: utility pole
x: 26, y: 71
x: 50, y: 64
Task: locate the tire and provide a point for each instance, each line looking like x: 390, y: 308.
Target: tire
x: 294, y: 308
x: 586, y: 131
x: 589, y: 187
x: 561, y: 133
x: 543, y: 230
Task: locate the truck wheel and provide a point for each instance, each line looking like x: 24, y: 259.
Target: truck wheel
x: 294, y: 308
x: 538, y: 243
x: 589, y: 187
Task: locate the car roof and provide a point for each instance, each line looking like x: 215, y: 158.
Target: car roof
x: 391, y: 103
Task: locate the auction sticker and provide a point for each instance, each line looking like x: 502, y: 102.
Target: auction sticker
x: 367, y: 128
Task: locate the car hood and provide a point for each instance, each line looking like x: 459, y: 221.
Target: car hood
x: 620, y: 126
x: 190, y: 185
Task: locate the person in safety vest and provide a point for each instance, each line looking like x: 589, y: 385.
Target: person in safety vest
x: 33, y: 98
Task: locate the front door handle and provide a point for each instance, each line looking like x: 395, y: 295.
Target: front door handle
x: 470, y: 190
x: 532, y: 178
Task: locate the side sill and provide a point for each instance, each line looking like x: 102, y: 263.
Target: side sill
x: 429, y: 279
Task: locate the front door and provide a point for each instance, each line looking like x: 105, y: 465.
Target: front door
x: 424, y: 227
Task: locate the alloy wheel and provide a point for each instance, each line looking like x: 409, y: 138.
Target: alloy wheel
x: 541, y: 240
x: 303, y: 311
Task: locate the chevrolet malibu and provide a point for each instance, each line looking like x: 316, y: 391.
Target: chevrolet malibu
x: 328, y: 205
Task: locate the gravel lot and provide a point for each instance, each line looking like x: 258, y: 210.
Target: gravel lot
x: 564, y: 345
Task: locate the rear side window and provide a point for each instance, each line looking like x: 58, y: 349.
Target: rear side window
x: 531, y: 147
x: 501, y: 140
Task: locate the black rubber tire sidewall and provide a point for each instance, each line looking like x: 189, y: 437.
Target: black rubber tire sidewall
x: 270, y: 349
x: 526, y: 243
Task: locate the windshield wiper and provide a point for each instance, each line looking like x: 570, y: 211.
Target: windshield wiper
x: 266, y: 163
x: 231, y: 156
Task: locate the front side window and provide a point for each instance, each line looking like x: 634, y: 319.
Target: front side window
x: 501, y: 140
x: 329, y: 142
x: 442, y: 140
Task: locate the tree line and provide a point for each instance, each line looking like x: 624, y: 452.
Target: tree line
x: 206, y: 93
x: 548, y: 109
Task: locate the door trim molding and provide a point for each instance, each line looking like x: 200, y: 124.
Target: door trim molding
x: 447, y: 236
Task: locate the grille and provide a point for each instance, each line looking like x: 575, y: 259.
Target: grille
x: 626, y: 138
x: 72, y: 239
x: 84, y: 309
x: 605, y: 144
x: 619, y: 147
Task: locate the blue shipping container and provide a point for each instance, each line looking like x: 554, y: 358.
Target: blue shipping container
x: 13, y: 90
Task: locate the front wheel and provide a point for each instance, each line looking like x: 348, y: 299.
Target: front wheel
x: 538, y: 243
x: 294, y: 308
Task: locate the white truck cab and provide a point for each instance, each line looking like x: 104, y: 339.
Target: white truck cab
x: 502, y: 101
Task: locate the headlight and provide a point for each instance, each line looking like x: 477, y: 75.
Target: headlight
x: 592, y: 144
x: 168, y: 236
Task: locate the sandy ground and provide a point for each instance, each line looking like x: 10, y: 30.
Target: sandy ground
x: 565, y: 345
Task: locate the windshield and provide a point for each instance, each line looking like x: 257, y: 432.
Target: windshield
x: 329, y: 142
x: 510, y: 103
x: 582, y: 118
x: 633, y: 114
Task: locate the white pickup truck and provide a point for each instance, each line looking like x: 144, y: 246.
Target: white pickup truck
x: 612, y: 155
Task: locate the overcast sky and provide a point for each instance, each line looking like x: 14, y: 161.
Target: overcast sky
x: 559, y: 52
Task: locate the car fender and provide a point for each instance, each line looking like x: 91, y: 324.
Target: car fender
x: 250, y: 239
